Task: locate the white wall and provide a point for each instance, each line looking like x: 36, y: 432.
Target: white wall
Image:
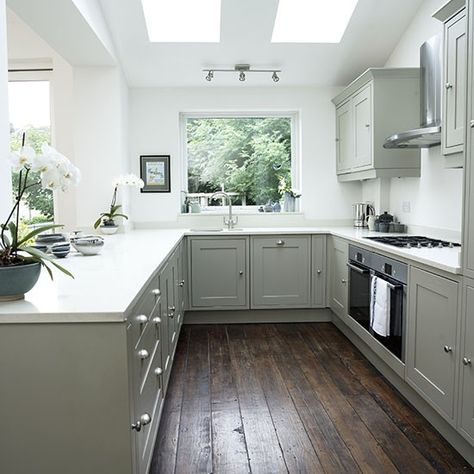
x: 154, y: 129
x: 435, y: 198
x: 5, y: 180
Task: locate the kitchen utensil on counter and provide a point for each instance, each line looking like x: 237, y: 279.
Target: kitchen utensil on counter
x: 361, y: 211
x: 88, y: 244
x: 371, y: 222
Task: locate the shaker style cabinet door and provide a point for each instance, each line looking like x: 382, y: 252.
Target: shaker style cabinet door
x: 338, y: 257
x: 466, y: 398
x: 219, y: 273
x: 455, y: 83
x: 432, y: 336
x: 281, y: 272
x: 362, y: 105
x: 318, y: 251
x: 344, y: 137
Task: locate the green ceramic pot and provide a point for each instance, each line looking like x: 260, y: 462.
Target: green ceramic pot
x: 16, y: 280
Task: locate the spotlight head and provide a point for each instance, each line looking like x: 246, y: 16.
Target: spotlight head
x: 210, y: 75
x: 275, y: 77
x: 242, y: 76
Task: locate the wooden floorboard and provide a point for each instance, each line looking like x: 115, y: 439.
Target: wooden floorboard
x: 277, y: 398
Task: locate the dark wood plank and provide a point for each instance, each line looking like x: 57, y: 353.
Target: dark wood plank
x: 298, y: 450
x: 394, y: 442
x: 331, y: 449
x: 228, y: 438
x: 265, y: 455
x: 164, y: 455
x: 194, y: 453
x: 363, y: 446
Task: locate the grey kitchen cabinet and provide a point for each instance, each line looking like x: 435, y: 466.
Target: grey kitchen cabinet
x: 468, y: 222
x: 218, y: 271
x: 344, y: 137
x: 318, y: 270
x: 338, y: 251
x: 466, y: 354
x: 432, y: 348
x: 363, y: 123
x: 453, y: 15
x: 281, y: 271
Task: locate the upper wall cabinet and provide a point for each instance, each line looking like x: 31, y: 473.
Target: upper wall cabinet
x: 377, y: 104
x: 453, y: 15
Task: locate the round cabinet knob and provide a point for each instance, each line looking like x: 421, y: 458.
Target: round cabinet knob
x: 241, y: 272
x: 281, y: 242
x: 156, y: 292
x: 157, y: 320
x: 448, y: 349
x: 141, y: 319
x: 448, y: 85
x: 137, y: 426
x: 145, y: 419
x: 143, y: 354
x: 318, y: 272
x: 158, y: 371
x: 466, y: 361
x: 343, y: 281
x: 471, y: 123
x: 367, y: 125
x: 172, y: 308
x: 181, y: 283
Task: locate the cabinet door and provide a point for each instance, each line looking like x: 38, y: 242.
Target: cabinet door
x: 362, y: 105
x: 339, y: 252
x: 318, y: 251
x: 466, y: 400
x: 166, y: 325
x: 219, y: 273
x: 455, y: 83
x: 431, y: 345
x: 281, y: 276
x: 344, y: 137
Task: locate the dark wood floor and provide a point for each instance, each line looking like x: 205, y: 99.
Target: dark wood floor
x: 298, y: 398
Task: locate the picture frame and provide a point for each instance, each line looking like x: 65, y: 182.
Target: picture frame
x: 155, y: 173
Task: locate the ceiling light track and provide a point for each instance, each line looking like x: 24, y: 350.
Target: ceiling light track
x: 242, y: 70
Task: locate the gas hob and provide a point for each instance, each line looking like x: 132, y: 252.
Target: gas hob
x: 413, y: 241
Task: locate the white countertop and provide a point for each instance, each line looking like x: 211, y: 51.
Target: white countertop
x: 105, y: 285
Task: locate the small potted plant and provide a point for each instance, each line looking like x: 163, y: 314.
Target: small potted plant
x: 106, y: 221
x: 289, y: 196
x: 20, y: 263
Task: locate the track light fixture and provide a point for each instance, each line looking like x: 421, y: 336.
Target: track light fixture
x: 242, y: 70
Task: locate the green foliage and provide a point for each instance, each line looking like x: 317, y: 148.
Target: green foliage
x: 248, y: 156
x: 109, y: 216
x: 35, y: 220
x: 35, y: 197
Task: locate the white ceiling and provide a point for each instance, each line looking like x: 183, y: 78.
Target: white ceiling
x: 373, y: 32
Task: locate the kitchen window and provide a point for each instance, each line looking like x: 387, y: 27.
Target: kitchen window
x: 253, y: 157
x: 30, y: 113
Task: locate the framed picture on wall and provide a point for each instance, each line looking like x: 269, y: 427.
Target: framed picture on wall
x: 155, y: 172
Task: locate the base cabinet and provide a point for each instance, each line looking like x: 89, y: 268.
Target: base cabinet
x: 281, y: 272
x: 338, y: 250
x: 432, y: 348
x: 218, y: 272
x: 466, y: 354
x: 318, y: 270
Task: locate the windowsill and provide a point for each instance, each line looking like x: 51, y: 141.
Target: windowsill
x: 239, y: 213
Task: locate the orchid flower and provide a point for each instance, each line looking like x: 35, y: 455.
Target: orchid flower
x: 23, y: 158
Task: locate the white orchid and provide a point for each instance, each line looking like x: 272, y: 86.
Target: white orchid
x: 22, y: 158
x: 129, y: 180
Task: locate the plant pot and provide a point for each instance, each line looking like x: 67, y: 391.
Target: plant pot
x: 289, y: 203
x: 16, y: 280
x: 108, y: 229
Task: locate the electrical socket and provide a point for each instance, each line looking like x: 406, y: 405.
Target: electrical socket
x: 406, y: 207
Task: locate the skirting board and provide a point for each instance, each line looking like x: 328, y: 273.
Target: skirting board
x: 258, y: 316
x: 453, y: 438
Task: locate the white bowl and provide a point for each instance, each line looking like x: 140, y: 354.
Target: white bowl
x: 88, y: 245
x: 108, y: 229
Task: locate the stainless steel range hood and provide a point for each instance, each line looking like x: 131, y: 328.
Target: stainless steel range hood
x: 429, y: 133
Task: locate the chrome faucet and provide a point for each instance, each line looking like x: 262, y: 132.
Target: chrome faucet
x: 230, y: 222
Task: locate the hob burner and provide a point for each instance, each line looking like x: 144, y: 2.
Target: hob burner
x: 413, y: 241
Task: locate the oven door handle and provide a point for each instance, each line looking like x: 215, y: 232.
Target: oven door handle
x: 390, y: 285
x: 362, y: 271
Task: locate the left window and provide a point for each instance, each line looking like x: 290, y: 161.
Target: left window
x: 29, y: 98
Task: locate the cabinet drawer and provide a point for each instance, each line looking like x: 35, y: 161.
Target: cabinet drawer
x: 142, y: 312
x: 144, y: 350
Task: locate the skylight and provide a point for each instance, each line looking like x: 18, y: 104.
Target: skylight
x: 312, y: 21
x: 183, y: 21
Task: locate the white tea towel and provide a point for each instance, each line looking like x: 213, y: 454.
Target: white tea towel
x: 380, y: 306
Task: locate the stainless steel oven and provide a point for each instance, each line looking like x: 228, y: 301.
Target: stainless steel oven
x: 362, y: 265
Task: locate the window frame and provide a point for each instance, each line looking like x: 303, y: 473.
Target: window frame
x: 295, y: 128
